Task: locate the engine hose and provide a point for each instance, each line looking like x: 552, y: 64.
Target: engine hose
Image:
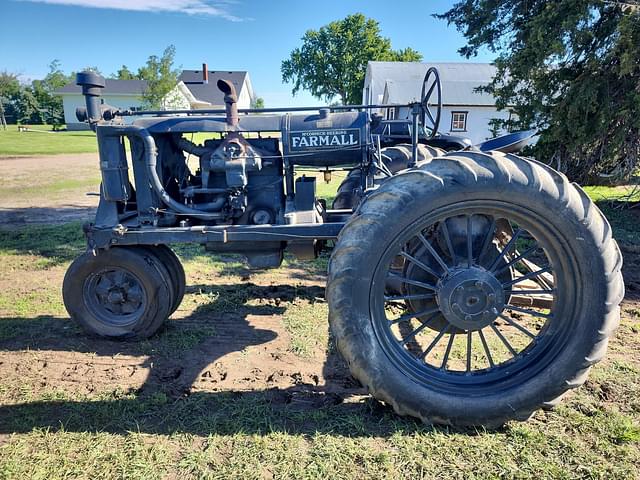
x: 151, y: 156
x: 189, y: 147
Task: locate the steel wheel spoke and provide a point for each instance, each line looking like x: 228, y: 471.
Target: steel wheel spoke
x: 409, y: 316
x: 518, y: 326
x: 418, y: 263
x: 409, y: 337
x: 487, y: 352
x: 469, y: 341
x: 533, y: 313
x: 432, y: 251
x: 413, y: 282
x: 504, y: 340
x: 435, y: 342
x: 469, y: 242
x: 506, y: 248
x: 488, y: 239
x: 400, y: 298
x: 447, y: 239
x: 515, y: 260
x: 530, y: 292
x: 445, y: 359
x: 545, y: 269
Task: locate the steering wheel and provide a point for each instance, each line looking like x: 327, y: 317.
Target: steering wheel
x: 431, y: 99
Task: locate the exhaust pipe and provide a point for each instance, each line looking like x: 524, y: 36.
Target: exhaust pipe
x: 230, y: 101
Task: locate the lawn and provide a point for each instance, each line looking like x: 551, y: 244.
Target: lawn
x: 41, y: 140
x: 244, y: 382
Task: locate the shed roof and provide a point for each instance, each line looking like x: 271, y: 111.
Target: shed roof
x: 112, y: 87
x: 403, y: 81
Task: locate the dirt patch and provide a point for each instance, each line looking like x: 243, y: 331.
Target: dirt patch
x: 48, y: 189
x: 198, y: 352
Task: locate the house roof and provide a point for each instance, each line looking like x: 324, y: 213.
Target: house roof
x: 112, y: 87
x: 192, y: 79
x: 209, y: 92
x: 402, y: 81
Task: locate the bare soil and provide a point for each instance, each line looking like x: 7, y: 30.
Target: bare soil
x: 48, y: 189
x: 243, y: 348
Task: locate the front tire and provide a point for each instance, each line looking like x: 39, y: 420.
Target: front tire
x: 465, y: 235
x: 120, y: 293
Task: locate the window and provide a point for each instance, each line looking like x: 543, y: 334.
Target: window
x: 459, y: 121
x: 391, y: 113
x: 367, y: 97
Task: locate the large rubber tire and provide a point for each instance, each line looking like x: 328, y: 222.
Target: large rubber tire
x: 395, y: 158
x: 453, y: 179
x: 175, y: 270
x: 150, y: 276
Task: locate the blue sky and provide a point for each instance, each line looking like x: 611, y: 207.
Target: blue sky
x: 226, y: 34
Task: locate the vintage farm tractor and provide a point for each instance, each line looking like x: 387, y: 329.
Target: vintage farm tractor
x: 464, y: 287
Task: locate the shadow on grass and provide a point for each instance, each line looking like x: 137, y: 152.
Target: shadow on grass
x: 176, y: 358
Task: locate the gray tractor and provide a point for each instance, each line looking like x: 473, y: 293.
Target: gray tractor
x: 465, y: 287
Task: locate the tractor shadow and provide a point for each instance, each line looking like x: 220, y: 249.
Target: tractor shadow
x: 181, y: 355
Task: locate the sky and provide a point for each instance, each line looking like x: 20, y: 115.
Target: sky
x: 250, y: 35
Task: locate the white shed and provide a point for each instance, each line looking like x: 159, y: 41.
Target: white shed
x: 465, y: 112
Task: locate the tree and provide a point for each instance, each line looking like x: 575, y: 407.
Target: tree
x: 332, y: 61
x: 161, y: 77
x: 124, y: 74
x: 9, y: 90
x: 258, y: 103
x: 47, y: 103
x: 569, y: 68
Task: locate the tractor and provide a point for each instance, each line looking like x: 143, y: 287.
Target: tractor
x: 467, y: 286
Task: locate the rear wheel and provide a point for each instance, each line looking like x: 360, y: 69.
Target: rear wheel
x: 474, y: 290
x: 395, y: 159
x: 118, y: 293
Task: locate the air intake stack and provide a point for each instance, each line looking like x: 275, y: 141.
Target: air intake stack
x: 92, y: 85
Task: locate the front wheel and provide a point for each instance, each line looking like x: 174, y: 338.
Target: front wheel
x: 122, y: 292
x: 475, y: 289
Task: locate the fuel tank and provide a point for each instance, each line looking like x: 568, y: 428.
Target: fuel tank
x: 326, y: 139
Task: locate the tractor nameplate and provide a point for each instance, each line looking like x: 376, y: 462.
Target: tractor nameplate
x: 321, y: 139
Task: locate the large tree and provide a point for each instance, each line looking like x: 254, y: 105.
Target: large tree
x: 160, y: 75
x: 9, y: 91
x: 570, y: 68
x: 332, y: 61
x: 48, y: 105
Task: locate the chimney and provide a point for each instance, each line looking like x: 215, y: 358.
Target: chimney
x: 205, y: 73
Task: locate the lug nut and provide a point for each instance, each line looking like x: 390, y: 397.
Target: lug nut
x: 467, y: 318
x: 478, y: 284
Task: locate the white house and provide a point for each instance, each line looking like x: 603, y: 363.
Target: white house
x: 465, y: 112
x: 196, y: 89
x: 124, y: 94
x: 200, y: 89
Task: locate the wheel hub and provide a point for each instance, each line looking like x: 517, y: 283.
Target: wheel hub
x: 116, y: 292
x: 470, y: 298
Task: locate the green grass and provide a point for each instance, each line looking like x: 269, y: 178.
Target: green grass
x: 48, y: 432
x: 43, y: 141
